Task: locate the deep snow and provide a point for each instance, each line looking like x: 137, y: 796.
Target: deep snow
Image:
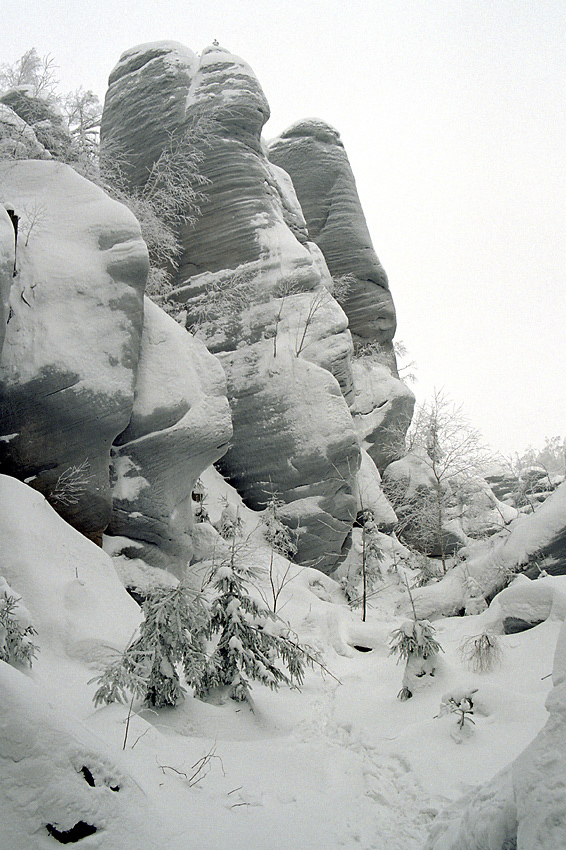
x: 340, y: 764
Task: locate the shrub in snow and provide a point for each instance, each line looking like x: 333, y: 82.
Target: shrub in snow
x: 277, y: 534
x: 170, y: 637
x: 230, y: 523
x: 250, y: 642
x: 460, y: 703
x: 481, y: 652
x: 414, y: 641
x: 71, y: 485
x: 16, y: 646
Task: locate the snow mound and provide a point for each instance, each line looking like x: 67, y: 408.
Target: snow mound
x: 56, y: 777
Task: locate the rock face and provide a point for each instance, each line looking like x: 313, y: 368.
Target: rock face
x: 312, y: 153
x: 7, y: 255
x: 45, y: 121
x: 69, y: 360
x: 253, y: 286
x: 17, y: 139
x: 180, y: 424
x: 382, y: 410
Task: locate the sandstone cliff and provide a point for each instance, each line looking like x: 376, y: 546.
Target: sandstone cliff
x: 255, y: 293
x: 88, y: 376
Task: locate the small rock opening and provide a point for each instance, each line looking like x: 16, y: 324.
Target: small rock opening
x: 361, y: 648
x: 70, y: 836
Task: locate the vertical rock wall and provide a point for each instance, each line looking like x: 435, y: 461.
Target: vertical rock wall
x: 280, y: 335
x: 69, y: 361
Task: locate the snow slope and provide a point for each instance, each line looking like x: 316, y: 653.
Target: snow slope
x: 340, y: 764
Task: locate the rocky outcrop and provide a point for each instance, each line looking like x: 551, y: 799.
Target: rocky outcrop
x: 382, y: 410
x: 252, y: 285
x: 43, y: 118
x: 7, y: 255
x: 69, y: 360
x: 487, y: 569
x: 17, y: 138
x: 313, y: 154
x: 180, y: 424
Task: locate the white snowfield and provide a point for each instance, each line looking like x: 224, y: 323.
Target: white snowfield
x: 340, y: 764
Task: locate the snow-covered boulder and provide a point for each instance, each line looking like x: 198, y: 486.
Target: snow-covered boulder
x: 279, y: 333
x: 60, y: 783
x: 488, y: 566
x: 68, y: 584
x: 7, y: 245
x: 69, y: 360
x: 180, y: 424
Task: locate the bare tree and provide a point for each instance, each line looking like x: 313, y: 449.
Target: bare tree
x: 36, y: 72
x: 452, y: 452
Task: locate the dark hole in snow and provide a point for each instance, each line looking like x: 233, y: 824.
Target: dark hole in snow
x: 513, y: 625
x: 363, y: 648
x: 89, y: 778
x: 70, y: 836
x: 114, y: 787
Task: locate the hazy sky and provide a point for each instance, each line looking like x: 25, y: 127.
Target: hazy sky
x: 452, y: 113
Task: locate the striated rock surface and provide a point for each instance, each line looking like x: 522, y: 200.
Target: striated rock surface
x: 253, y: 286
x: 180, y: 424
x: 7, y: 253
x: 69, y: 360
x: 145, y: 102
x: 313, y: 154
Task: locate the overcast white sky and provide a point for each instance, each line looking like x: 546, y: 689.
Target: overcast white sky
x: 453, y: 116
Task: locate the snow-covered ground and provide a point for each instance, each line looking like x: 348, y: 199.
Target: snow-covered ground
x: 342, y: 763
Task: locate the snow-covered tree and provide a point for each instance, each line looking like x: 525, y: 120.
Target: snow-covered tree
x: 414, y: 642
x: 16, y: 631
x: 170, y: 638
x: 452, y: 453
x: 249, y: 641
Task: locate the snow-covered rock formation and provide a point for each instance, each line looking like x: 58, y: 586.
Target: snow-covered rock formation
x: 58, y: 780
x: 68, y: 367
x: 180, y: 424
x: 313, y: 154
x: 489, y: 565
x: 86, y: 371
x: 280, y: 335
